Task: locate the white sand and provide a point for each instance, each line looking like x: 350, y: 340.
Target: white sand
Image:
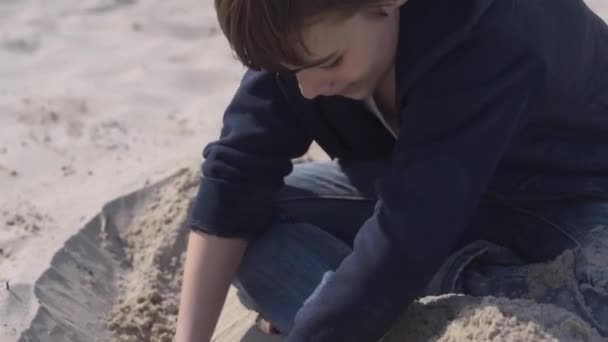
x: 97, y: 99
x: 452, y: 318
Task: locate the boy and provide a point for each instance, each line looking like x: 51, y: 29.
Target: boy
x: 469, y: 142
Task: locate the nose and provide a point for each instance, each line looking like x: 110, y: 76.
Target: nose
x: 313, y: 84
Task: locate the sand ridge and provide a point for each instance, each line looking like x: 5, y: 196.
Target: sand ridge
x: 148, y: 302
x: 456, y: 318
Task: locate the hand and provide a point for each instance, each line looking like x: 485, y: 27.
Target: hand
x: 265, y: 326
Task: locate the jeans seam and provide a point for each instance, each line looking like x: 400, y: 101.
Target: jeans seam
x: 463, y: 261
x: 329, y: 197
x: 547, y: 221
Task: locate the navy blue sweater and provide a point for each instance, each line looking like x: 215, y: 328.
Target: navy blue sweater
x: 507, y: 97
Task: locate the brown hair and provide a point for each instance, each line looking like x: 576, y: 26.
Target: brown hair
x: 266, y: 33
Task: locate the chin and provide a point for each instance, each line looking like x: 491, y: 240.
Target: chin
x: 358, y: 94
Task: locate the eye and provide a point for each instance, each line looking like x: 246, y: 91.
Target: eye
x: 333, y: 64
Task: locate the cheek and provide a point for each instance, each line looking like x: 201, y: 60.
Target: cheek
x: 356, y: 72
x: 361, y: 77
x: 308, y: 77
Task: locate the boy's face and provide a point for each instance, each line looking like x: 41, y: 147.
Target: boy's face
x: 349, y: 57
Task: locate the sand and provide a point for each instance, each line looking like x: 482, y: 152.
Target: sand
x: 457, y: 318
x: 107, y: 104
x: 148, y: 299
x: 97, y: 99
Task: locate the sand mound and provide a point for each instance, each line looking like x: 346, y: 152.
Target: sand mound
x: 456, y: 318
x: 119, y: 280
x: 147, y: 306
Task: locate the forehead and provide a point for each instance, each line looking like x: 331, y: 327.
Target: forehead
x: 325, y: 36
x: 325, y: 39
x: 329, y: 28
x: 315, y: 44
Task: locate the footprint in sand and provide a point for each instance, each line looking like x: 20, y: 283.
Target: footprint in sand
x: 23, y: 218
x: 20, y: 220
x: 24, y: 45
x: 51, y: 120
x: 109, y: 135
x: 8, y: 171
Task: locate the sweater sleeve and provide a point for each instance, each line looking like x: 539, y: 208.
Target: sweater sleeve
x: 459, y: 121
x: 243, y: 170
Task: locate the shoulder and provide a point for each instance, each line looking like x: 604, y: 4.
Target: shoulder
x: 463, y: 33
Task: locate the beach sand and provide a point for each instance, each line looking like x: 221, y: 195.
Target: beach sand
x: 107, y: 104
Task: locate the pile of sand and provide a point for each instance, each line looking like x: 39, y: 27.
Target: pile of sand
x: 456, y: 318
x: 146, y: 308
x: 119, y: 278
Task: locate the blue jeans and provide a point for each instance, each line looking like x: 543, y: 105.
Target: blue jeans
x: 509, y: 249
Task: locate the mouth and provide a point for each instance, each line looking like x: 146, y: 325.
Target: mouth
x: 351, y: 91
